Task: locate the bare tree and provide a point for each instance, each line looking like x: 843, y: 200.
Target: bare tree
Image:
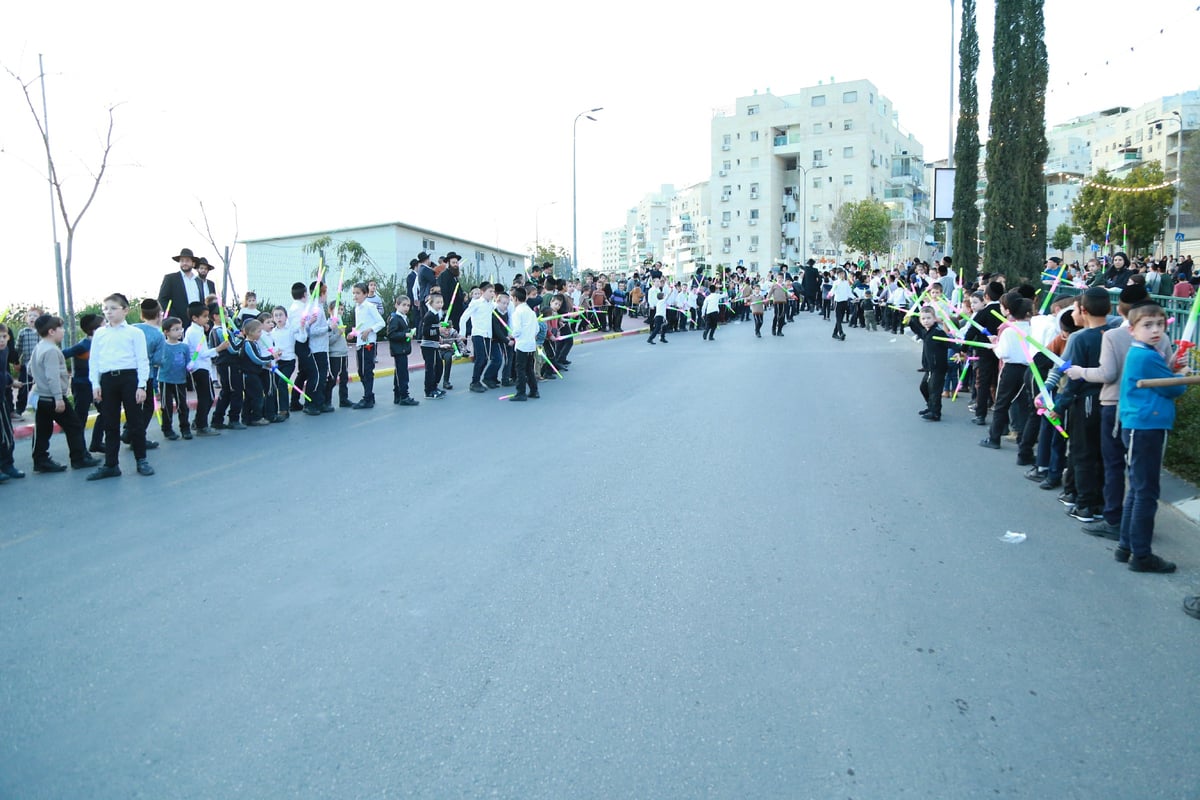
x: 56, y: 183
x: 225, y: 252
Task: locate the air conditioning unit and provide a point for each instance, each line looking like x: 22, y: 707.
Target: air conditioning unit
x: 724, y: 147
x: 753, y: 248
x: 724, y: 249
x: 723, y: 172
x: 754, y: 195
x: 753, y: 221
x: 724, y: 223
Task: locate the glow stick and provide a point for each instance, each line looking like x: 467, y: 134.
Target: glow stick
x: 546, y: 358
x: 962, y: 342
x: 290, y: 383
x: 1053, y: 288
x: 453, y: 296
x: 502, y: 320
x: 1050, y: 354
x: 506, y: 396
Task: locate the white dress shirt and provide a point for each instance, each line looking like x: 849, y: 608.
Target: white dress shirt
x: 117, y: 347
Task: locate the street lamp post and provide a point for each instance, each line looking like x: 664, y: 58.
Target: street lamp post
x: 574, y: 189
x: 1176, y: 117
x: 804, y: 208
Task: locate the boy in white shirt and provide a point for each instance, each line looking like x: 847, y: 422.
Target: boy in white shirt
x: 367, y: 325
x: 201, y: 366
x: 712, y: 313
x: 283, y: 342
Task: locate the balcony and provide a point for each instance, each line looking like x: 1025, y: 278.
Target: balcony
x: 725, y: 198
x: 725, y: 250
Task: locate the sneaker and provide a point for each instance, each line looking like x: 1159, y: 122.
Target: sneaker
x: 144, y: 468
x: 924, y: 412
x: 1084, y: 514
x: 12, y: 472
x: 1150, y: 563
x: 534, y: 396
x: 49, y: 465
x: 258, y: 423
x: 520, y: 398
x: 207, y: 432
x: 187, y: 435
x: 105, y: 472
x: 979, y: 420
x: 345, y: 404
x: 1067, y: 498
x: 217, y: 426
x: 312, y: 411
x: 1103, y: 529
x: 496, y: 384
x: 327, y: 408
x: 361, y: 404
x: 1050, y: 483
x: 1025, y: 461
x: 1121, y: 555
x: 447, y: 386
x: 150, y: 444
x: 1035, y: 474
x: 988, y: 443
x: 171, y: 436
x: 933, y: 418
x: 85, y: 463
x: 408, y: 401
x: 478, y: 388
x: 507, y: 382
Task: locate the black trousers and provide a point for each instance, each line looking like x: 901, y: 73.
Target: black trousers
x: 758, y: 320
x: 656, y: 329
x: 839, y: 315
x: 526, y: 380
x: 366, y: 372
x: 231, y: 396
x: 778, y: 318
x: 433, y: 368
x: 337, y: 376
x: 1009, y: 391
x: 1084, y: 452
x: 710, y: 325
x: 931, y: 390
x: 118, y: 391
x: 316, y: 392
x: 400, y: 379
x: 43, y: 426
x: 306, y: 376
x: 252, y: 383
x: 204, y: 399
x: 283, y: 392
x: 174, y: 400
x: 616, y: 316
x: 987, y: 370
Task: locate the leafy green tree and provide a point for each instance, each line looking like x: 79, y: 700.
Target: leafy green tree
x: 869, y: 226
x: 1015, y: 201
x: 1137, y: 215
x: 966, y: 146
x: 1063, y: 239
x: 1189, y: 187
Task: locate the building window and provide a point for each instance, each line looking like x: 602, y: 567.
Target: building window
x: 754, y: 213
x: 818, y: 156
x: 726, y: 242
x: 789, y: 216
x: 817, y: 127
x: 754, y: 162
x: 754, y: 241
x: 751, y: 111
x: 848, y: 125
x: 847, y: 152
x: 818, y: 100
x: 725, y: 166
x: 725, y: 217
x: 725, y: 139
x: 816, y: 183
x: 478, y: 257
x: 512, y: 263
x: 871, y: 98
x: 754, y: 136
x: 849, y: 97
x: 816, y: 210
x: 428, y: 244
x: 847, y: 180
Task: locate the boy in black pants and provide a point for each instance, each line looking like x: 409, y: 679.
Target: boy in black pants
x: 399, y: 336
x: 933, y: 362
x: 48, y: 368
x: 430, y: 334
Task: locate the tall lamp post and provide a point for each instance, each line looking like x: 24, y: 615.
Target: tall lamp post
x: 574, y: 189
x: 804, y: 208
x: 1177, y: 118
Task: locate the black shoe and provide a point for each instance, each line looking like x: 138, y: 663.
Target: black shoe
x: 258, y: 423
x: 219, y: 426
x: 447, y: 386
x: 496, y: 384
x: 49, y: 465
x: 144, y: 468
x: 1084, y: 514
x: 346, y: 404
x: 85, y: 463
x: 207, y: 432
x: 1191, y: 606
x: 408, y: 401
x: 1121, y: 555
x: 1067, y: 498
x: 1050, y: 483
x: 507, y: 382
x: 105, y: 472
x: 664, y: 341
x: 187, y: 435
x: 96, y: 449
x: 924, y: 412
x: 1150, y: 563
x: 1025, y: 461
x: 520, y: 398
x: 12, y: 472
x: 278, y: 418
x: 1035, y: 474
x: 328, y: 408
x: 361, y: 404
x: 150, y: 445
x: 171, y: 436
x: 1103, y: 529
x: 125, y: 437
x: 564, y: 361
x: 650, y: 341
x: 979, y: 420
x: 988, y: 443
x: 478, y: 388
x: 534, y: 396
x: 311, y: 411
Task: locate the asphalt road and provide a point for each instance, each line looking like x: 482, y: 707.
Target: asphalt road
x: 738, y: 569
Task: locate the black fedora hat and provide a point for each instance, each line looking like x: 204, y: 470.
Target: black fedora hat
x: 184, y: 253
x: 453, y: 254
x: 202, y: 261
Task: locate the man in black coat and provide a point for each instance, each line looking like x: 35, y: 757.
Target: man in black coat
x: 452, y: 292
x: 181, y: 287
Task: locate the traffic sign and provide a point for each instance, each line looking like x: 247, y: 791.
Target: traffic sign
x: 1095, y: 248
x: 1179, y: 237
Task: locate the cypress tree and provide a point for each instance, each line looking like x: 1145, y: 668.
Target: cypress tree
x: 1015, y: 200
x: 966, y: 146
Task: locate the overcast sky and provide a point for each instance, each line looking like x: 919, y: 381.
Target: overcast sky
x: 457, y: 116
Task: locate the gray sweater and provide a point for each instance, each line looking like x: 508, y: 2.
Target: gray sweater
x: 49, y: 370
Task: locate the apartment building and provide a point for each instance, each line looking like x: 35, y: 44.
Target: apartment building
x: 783, y: 165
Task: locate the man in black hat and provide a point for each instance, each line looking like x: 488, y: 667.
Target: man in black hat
x: 202, y: 270
x: 426, y: 278
x: 181, y: 286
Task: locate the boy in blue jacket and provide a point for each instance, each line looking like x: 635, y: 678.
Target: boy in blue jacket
x: 1146, y: 416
